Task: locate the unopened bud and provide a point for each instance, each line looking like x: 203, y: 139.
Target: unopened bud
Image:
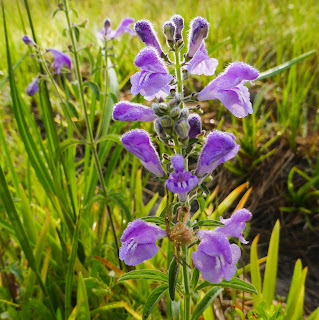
x: 179, y: 24
x: 28, y: 41
x: 167, y: 124
x: 169, y: 32
x: 182, y: 128
x: 160, y: 109
x: 159, y: 129
x: 184, y: 113
x: 107, y: 24
x: 175, y: 113
x: 198, y: 32
x: 195, y: 125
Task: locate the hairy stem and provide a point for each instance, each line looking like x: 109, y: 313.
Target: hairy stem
x: 187, y: 296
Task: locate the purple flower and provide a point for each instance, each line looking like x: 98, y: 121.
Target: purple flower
x: 179, y: 23
x: 129, y: 111
x: 153, y: 78
x: 180, y: 181
x: 219, y: 147
x: 138, y: 242
x: 123, y: 27
x: 138, y: 142
x: 197, y: 34
x: 169, y: 32
x: 201, y: 63
x: 235, y: 225
x: 61, y: 59
x: 33, y: 87
x: 229, y: 88
x: 28, y: 41
x: 215, y: 257
x: 195, y: 125
x: 147, y: 34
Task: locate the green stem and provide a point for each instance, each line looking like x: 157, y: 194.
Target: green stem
x: 87, y: 121
x: 179, y: 76
x: 187, y: 296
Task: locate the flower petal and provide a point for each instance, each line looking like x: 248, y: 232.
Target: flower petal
x: 124, y: 26
x: 129, y: 111
x: 61, y: 59
x: 33, y: 87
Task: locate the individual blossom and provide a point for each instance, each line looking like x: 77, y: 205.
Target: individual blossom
x: 129, y: 111
x: 215, y: 257
x: 108, y: 33
x: 180, y: 181
x: 197, y: 34
x: 28, y: 41
x: 219, y: 147
x: 179, y: 24
x: 33, y: 87
x: 60, y: 59
x: 201, y: 63
x: 195, y: 126
x: 153, y: 79
x: 235, y: 225
x: 147, y: 34
x: 138, y: 242
x: 138, y: 142
x: 229, y: 88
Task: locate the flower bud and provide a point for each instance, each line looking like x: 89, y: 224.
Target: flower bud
x: 179, y: 23
x: 167, y: 124
x: 198, y: 32
x: 107, y: 25
x: 147, y: 34
x: 160, y: 109
x: 182, y: 128
x: 169, y: 32
x: 184, y: 113
x: 28, y: 41
x: 195, y: 125
x: 159, y: 129
x: 175, y: 112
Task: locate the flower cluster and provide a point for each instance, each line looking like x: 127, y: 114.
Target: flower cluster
x: 179, y: 128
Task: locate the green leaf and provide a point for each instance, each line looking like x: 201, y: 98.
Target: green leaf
x: 271, y: 72
x: 153, y: 298
x: 208, y: 223
x: 314, y: 315
x: 120, y: 200
x: 201, y: 203
x: 173, y: 273
x: 71, y: 107
x: 195, y: 278
x: 145, y: 274
x: 95, y: 88
x: 205, y: 302
x: 65, y: 145
x: 234, y: 283
x: 204, y: 188
x: 82, y: 300
x: 110, y: 137
x: 254, y: 271
x: 175, y: 309
x: 269, y: 284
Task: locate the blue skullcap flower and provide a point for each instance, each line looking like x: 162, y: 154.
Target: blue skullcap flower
x: 147, y: 34
x: 229, y: 88
x: 195, y: 126
x: 123, y: 27
x: 219, y: 147
x: 129, y: 111
x: 179, y: 26
x: 201, y: 63
x: 197, y: 34
x: 215, y: 257
x: 180, y: 181
x: 153, y: 79
x: 138, y: 242
x: 60, y: 59
x: 137, y: 141
x: 33, y: 87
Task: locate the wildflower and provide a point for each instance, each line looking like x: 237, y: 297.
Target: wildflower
x: 195, y: 126
x: 147, y: 34
x: 229, y: 88
x: 181, y: 127
x: 235, y: 225
x: 33, y: 87
x: 138, y: 142
x: 215, y: 257
x: 219, y: 147
x: 198, y: 33
x: 138, y: 242
x: 61, y: 59
x: 153, y: 79
x: 180, y: 181
x: 179, y: 24
x: 129, y: 111
x: 201, y: 63
x: 159, y: 128
x: 169, y: 32
x: 28, y: 41
x: 108, y: 33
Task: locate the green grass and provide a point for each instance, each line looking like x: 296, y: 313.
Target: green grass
x: 55, y: 230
